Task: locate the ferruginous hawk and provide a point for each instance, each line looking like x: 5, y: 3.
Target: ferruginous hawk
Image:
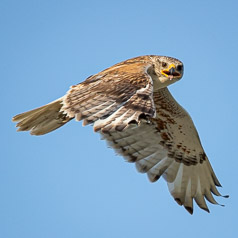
x: 130, y: 105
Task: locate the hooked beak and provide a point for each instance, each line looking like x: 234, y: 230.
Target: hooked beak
x: 171, y: 72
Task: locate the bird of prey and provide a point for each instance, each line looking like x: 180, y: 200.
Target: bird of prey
x: 130, y: 105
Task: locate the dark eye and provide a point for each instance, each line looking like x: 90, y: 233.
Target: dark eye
x: 164, y: 64
x: 179, y: 67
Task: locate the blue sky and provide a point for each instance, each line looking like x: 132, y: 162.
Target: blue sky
x: 67, y: 183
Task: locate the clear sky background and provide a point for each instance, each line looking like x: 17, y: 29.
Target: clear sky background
x: 67, y: 183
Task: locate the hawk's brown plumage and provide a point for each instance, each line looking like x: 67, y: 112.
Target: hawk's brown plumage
x: 130, y: 105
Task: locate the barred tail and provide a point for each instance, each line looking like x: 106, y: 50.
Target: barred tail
x: 42, y: 120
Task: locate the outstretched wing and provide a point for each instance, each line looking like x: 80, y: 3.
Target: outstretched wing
x: 113, y: 98
x: 169, y: 145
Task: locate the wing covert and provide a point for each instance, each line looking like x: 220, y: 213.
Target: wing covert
x: 112, y: 98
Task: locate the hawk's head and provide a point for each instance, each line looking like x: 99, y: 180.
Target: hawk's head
x: 167, y: 69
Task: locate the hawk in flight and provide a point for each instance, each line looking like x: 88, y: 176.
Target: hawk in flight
x: 130, y: 105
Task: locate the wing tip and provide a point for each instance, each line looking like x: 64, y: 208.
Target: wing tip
x: 205, y: 209
x: 153, y: 177
x: 178, y: 201
x: 189, y: 209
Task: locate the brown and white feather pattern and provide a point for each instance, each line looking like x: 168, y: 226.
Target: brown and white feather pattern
x: 169, y: 145
x: 112, y: 98
x: 135, y: 112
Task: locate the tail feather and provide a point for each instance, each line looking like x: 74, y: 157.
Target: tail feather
x: 42, y: 120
